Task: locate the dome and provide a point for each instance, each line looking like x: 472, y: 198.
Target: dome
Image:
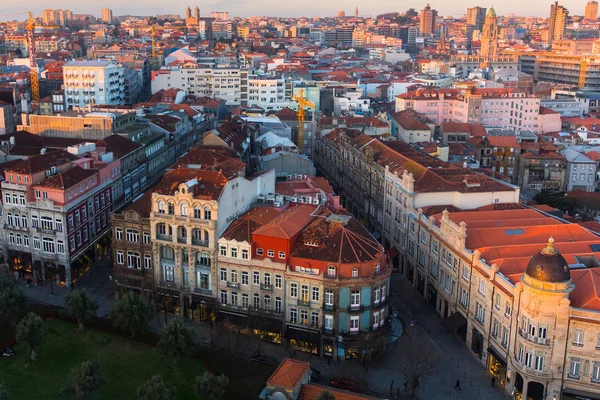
x: 549, y: 265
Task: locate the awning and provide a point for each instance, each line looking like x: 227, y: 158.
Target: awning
x: 240, y: 320
x: 392, y: 252
x: 303, y: 335
x: 497, y: 356
x: 453, y: 322
x: 574, y: 394
x: 267, y: 324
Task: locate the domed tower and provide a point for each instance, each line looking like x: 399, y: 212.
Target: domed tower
x: 542, y: 321
x: 489, y: 37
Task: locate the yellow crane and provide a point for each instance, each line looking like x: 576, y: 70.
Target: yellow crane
x: 33, y: 67
x: 302, y: 104
x: 582, y: 71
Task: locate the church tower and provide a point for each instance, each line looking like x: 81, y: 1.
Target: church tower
x: 489, y: 38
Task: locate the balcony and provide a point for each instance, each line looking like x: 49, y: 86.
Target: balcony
x: 233, y: 285
x: 266, y: 286
x: 356, y: 308
x: 328, y: 331
x: 164, y: 237
x: 182, y: 240
x: 207, y: 292
x: 328, y: 307
x: 198, y: 242
x: 168, y: 284
x: 304, y: 303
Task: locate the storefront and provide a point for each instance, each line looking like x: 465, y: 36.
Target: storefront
x: 477, y: 343
x: 167, y: 300
x: 497, y: 366
x: 20, y: 263
x: 303, y: 340
x: 328, y: 347
x: 200, y: 308
x: 573, y: 394
x: 267, y: 328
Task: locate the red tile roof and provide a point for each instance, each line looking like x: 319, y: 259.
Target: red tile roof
x: 43, y: 162
x: 203, y: 184
x: 289, y: 373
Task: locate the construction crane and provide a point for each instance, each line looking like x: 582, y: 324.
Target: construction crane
x: 582, y: 71
x: 33, y: 67
x: 302, y: 104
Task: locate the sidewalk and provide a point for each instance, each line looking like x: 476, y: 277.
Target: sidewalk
x: 455, y: 359
x: 95, y: 281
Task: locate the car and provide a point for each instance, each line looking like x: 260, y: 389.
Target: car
x: 315, y: 375
x: 344, y: 384
x: 264, y: 359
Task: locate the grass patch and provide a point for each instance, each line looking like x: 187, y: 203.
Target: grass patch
x: 126, y: 364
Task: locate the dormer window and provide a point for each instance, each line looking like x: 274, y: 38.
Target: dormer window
x: 331, y: 271
x: 355, y: 273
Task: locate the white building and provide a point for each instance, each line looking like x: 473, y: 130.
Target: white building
x: 269, y: 94
x: 581, y: 171
x: 224, y: 82
x: 100, y: 82
x: 351, y: 102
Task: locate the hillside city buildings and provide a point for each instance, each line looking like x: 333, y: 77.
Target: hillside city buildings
x: 276, y: 176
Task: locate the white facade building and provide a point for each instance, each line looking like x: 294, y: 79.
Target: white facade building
x: 100, y: 82
x: 270, y: 94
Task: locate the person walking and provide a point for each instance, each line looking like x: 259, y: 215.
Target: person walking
x: 457, y: 386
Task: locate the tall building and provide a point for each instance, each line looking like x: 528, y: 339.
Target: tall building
x: 558, y: 22
x: 56, y: 17
x: 476, y: 17
x: 192, y: 20
x: 97, y: 82
x: 489, y: 37
x: 427, y: 22
x: 107, y: 15
x: 220, y: 15
x: 356, y: 12
x: 591, y: 10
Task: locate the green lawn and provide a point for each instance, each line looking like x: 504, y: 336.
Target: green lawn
x: 126, y: 365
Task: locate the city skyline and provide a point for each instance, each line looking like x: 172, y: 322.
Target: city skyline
x: 243, y: 8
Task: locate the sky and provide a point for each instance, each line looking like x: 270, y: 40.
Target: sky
x: 309, y: 8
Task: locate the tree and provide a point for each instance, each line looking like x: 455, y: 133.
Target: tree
x: 31, y: 331
x: 325, y: 395
x: 81, y: 307
x: 155, y: 389
x: 4, y: 393
x: 84, y: 380
x: 418, y: 359
x: 12, y: 301
x: 210, y: 387
x: 177, y: 339
x: 132, y: 313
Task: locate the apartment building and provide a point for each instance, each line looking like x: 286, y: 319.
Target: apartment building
x: 57, y: 208
x: 580, y: 171
x: 412, y: 127
x: 541, y: 167
x: 558, y: 22
x: 576, y: 71
x: 269, y: 94
x: 93, y: 82
x: 227, y: 82
x: 499, y: 153
x: 510, y: 294
x: 502, y: 108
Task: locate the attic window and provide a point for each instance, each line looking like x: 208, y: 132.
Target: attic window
x: 311, y: 244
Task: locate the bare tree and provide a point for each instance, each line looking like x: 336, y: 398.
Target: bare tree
x: 417, y: 360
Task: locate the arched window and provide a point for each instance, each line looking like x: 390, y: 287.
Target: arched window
x: 161, y: 207
x: 181, y: 234
x: 207, y: 213
x: 167, y: 253
x: 355, y: 273
x: 197, y: 212
x: 161, y: 231
x: 171, y: 208
x: 331, y: 270
x: 329, y: 297
x: 183, y: 210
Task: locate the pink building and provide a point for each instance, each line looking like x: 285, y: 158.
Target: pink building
x: 506, y: 108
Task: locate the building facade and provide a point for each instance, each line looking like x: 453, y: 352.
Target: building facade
x: 93, y: 82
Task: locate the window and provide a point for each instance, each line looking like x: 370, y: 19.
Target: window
x: 267, y: 279
x: 293, y: 316
x: 48, y: 245
x: 315, y: 294
x: 119, y: 233
x: 355, y: 298
x: 504, y: 338
x: 465, y: 273
x: 304, y: 293
x: 281, y: 254
x: 244, y: 278
x: 60, y: 246
x: 223, y: 275
x: 207, y: 214
x: 132, y: 235
x: 244, y: 254
x: 314, y: 319
x: 329, y: 297
x: 146, y: 238
x: 256, y: 278
x: 294, y: 290
x: 161, y: 207
x: 331, y: 271
x: 464, y: 298
x: 36, y: 243
x: 119, y: 257
x: 223, y: 251
x: 574, y: 368
x: 596, y: 372
x: 278, y: 305
x: 355, y: 273
x: 542, y: 333
x: 376, y: 295
x: 270, y: 253
x: 171, y: 208
x: 133, y: 260
x: 259, y: 252
x: 495, y: 328
x: 539, y: 363
x: 147, y: 262
x: 234, y: 252
x: 234, y: 298
x: 354, y: 323
x: 578, y: 338
x: 507, y: 309
x: 183, y: 210
x: 267, y: 302
x: 223, y: 296
x: 482, y: 287
x: 278, y: 281
x: 479, y: 313
x: 329, y: 322
x: 233, y: 276
x: 528, y: 359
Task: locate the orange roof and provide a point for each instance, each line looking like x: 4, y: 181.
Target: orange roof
x: 288, y: 374
x: 289, y: 223
x: 310, y: 391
